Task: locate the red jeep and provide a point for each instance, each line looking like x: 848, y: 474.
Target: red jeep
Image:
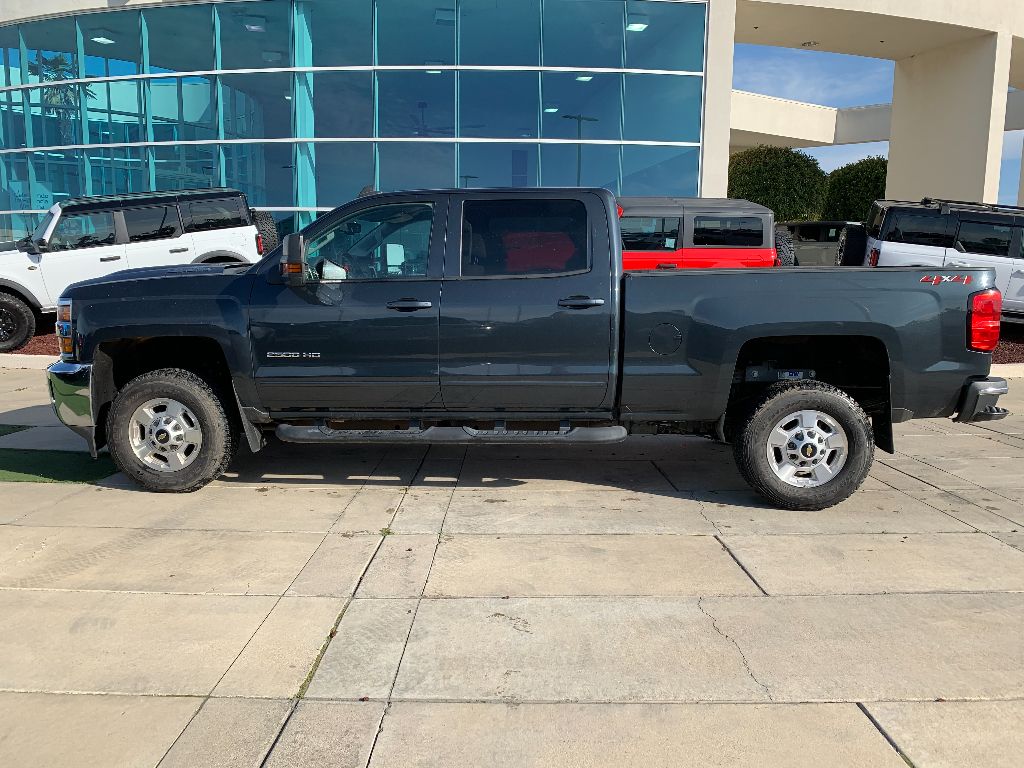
x: 700, y: 233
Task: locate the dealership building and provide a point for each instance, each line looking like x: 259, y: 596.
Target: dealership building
x: 304, y: 104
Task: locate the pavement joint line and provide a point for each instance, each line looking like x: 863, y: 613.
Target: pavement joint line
x: 415, y: 613
x: 739, y: 650
x: 741, y: 565
x: 885, y: 734
x: 277, y: 736
x: 940, y: 469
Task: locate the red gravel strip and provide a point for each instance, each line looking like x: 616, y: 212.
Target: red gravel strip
x: 42, y: 344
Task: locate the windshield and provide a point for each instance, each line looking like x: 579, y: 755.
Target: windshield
x: 40, y: 230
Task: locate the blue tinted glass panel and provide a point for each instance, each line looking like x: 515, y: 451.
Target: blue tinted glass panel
x: 415, y: 165
x: 498, y: 165
x: 10, y: 56
x: 660, y: 171
x: 498, y: 104
x: 662, y: 108
x: 255, y: 35
x: 15, y: 193
x: 55, y: 115
x: 500, y: 33
x: 415, y: 32
x: 343, y: 104
x: 118, y: 170
x: 342, y: 31
x: 342, y: 171
x: 59, y: 175
x: 183, y: 108
x: 12, y: 120
x: 111, y: 43
x: 263, y: 171
x: 581, y: 105
x: 573, y: 165
x: 15, y: 226
x: 416, y: 104
x: 114, y: 111
x: 257, y: 105
x: 189, y: 166
x: 665, y: 36
x: 52, y: 50
x: 172, y: 51
x: 583, y: 33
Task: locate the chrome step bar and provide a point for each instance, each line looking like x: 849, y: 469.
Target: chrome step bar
x: 321, y: 433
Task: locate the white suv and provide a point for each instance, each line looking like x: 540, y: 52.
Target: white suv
x: 947, y: 234
x: 91, y: 237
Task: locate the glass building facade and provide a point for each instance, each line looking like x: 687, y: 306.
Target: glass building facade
x: 303, y: 104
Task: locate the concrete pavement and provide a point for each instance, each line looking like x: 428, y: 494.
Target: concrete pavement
x: 631, y: 604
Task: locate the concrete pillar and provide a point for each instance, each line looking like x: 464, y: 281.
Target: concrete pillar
x: 721, y: 35
x: 949, y: 109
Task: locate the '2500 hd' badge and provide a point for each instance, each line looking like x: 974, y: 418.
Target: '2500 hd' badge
x: 293, y: 355
x: 936, y: 279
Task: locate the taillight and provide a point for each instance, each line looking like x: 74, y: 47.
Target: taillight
x: 983, y: 320
x: 618, y: 210
x: 873, y: 257
x: 259, y: 243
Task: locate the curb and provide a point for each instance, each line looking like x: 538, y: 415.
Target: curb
x: 26, y: 362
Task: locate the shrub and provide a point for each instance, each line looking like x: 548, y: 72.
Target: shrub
x: 788, y: 181
x: 853, y: 188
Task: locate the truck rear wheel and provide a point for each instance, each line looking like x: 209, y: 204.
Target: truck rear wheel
x: 169, y: 432
x: 805, y: 446
x: 17, y: 323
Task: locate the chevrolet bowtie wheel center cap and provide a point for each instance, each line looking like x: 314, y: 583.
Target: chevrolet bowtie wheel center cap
x: 165, y: 435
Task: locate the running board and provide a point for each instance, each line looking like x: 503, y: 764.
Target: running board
x: 290, y: 433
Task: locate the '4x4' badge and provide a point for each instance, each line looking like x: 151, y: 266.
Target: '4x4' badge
x: 936, y: 279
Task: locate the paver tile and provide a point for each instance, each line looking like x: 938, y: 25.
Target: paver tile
x: 323, y: 733
x: 229, y: 733
x: 399, y: 569
x: 334, y: 569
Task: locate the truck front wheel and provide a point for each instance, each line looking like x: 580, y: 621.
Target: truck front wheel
x: 169, y: 432
x: 805, y: 446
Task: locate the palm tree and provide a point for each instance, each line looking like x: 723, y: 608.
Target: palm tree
x: 61, y: 101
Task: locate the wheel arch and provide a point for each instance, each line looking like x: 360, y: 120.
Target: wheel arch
x: 21, y: 292
x: 220, y: 257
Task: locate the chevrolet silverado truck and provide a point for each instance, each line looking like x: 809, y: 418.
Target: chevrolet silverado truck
x: 504, y: 316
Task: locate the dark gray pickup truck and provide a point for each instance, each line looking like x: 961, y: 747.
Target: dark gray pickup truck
x: 504, y: 316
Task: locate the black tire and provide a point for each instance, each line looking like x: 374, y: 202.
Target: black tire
x: 17, y: 323
x: 220, y: 433
x: 267, y: 227
x: 782, y: 399
x: 853, y: 246
x: 784, y: 248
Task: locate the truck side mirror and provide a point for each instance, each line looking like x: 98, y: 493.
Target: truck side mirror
x: 28, y: 245
x: 293, y: 259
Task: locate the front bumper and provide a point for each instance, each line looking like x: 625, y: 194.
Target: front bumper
x: 978, y: 401
x: 72, y: 399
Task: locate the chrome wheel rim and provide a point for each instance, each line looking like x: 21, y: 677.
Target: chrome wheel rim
x: 807, y: 449
x: 165, y: 435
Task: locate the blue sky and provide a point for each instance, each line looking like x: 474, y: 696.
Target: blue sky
x: 835, y: 80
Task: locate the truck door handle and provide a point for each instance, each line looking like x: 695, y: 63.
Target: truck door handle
x: 409, y: 305
x: 110, y: 258
x: 580, y: 302
x: 179, y: 250
x: 958, y: 264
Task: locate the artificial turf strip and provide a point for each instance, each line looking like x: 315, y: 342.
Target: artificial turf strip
x: 10, y: 429
x: 52, y: 467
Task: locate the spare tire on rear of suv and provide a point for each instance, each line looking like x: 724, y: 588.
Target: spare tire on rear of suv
x: 784, y: 249
x: 853, y: 246
x: 267, y: 227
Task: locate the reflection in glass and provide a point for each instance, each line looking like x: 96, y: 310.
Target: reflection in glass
x: 574, y: 165
x: 665, y: 36
x: 585, y: 105
x: 111, y: 43
x: 187, y: 166
x: 677, y: 117
x: 172, y: 51
x: 416, y: 104
x: 583, y: 33
x: 415, y: 165
x: 341, y: 31
x: 10, y: 56
x: 498, y: 104
x: 254, y: 35
x: 54, y: 113
x: 660, y: 170
x: 52, y: 50
x: 183, y: 108
x: 257, y: 105
x: 114, y: 111
x: 497, y: 165
x: 59, y: 175
x: 415, y: 32
x: 118, y: 170
x: 343, y: 171
x: 265, y: 172
x: 342, y: 104
x: 499, y: 34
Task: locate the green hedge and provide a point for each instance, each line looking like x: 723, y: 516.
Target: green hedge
x: 788, y: 181
x: 854, y: 187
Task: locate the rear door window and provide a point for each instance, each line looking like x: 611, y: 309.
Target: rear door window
x: 730, y: 231
x: 206, y: 215
x: 985, y: 238
x: 920, y: 229
x: 644, y: 233
x: 155, y: 223
x: 512, y: 238
x: 83, y: 230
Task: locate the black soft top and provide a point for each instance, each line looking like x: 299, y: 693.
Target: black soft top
x: 106, y: 202
x: 677, y: 206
